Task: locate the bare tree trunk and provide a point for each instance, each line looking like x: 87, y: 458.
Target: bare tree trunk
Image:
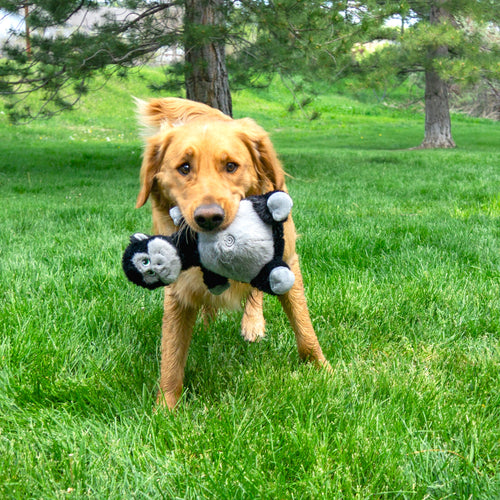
x: 206, y: 74
x: 437, y: 111
x: 27, y: 27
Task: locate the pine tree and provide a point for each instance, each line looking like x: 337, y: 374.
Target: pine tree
x: 443, y: 39
x: 317, y: 41
x: 289, y: 37
x: 59, y: 67
x: 301, y: 41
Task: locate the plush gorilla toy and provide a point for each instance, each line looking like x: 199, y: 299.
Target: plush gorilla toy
x: 249, y: 250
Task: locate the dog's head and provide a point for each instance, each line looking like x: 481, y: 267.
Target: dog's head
x: 204, y: 162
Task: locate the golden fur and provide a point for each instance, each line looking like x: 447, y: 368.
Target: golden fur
x: 227, y: 161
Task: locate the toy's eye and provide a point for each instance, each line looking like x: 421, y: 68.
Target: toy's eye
x: 184, y: 169
x: 231, y: 167
x: 146, y: 262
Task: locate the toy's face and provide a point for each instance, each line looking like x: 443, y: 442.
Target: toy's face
x: 152, y: 263
x: 142, y: 262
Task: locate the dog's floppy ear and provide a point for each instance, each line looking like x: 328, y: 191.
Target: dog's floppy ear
x: 269, y: 170
x: 154, y: 153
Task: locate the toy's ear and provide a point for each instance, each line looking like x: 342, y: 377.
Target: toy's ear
x: 269, y: 170
x: 138, y: 237
x: 156, y: 146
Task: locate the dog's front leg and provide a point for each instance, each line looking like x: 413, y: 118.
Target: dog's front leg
x: 177, y: 330
x: 295, y: 306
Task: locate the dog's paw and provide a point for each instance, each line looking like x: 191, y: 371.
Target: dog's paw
x: 253, y: 330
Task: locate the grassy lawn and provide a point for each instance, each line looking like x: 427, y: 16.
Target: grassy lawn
x: 401, y: 258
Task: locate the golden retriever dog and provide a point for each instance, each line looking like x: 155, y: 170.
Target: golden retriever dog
x: 204, y: 162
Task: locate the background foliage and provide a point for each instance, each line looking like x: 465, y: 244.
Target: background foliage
x: 301, y: 42
x: 400, y: 252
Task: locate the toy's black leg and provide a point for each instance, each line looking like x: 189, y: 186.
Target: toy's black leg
x: 275, y: 278
x: 281, y: 279
x: 215, y: 283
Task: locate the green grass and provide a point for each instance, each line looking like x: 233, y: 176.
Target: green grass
x: 401, y: 257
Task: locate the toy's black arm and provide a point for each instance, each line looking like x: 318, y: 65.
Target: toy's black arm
x: 259, y: 203
x: 273, y: 208
x: 186, y: 242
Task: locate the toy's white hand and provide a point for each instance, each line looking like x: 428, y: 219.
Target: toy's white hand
x: 279, y: 205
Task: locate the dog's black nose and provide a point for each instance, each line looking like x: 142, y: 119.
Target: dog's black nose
x: 209, y: 217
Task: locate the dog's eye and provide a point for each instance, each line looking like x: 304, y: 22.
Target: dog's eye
x: 231, y: 167
x: 184, y: 169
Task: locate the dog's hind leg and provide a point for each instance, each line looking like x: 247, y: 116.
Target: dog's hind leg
x: 208, y: 314
x: 253, y: 324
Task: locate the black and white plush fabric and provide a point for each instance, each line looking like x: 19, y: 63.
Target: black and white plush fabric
x: 249, y: 250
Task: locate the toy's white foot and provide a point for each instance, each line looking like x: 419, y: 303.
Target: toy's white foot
x: 279, y: 205
x: 281, y: 279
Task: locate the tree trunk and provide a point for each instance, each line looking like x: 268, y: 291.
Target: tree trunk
x: 27, y: 28
x: 206, y: 74
x: 437, y: 111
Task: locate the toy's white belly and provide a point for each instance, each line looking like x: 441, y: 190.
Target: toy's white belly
x: 240, y: 251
